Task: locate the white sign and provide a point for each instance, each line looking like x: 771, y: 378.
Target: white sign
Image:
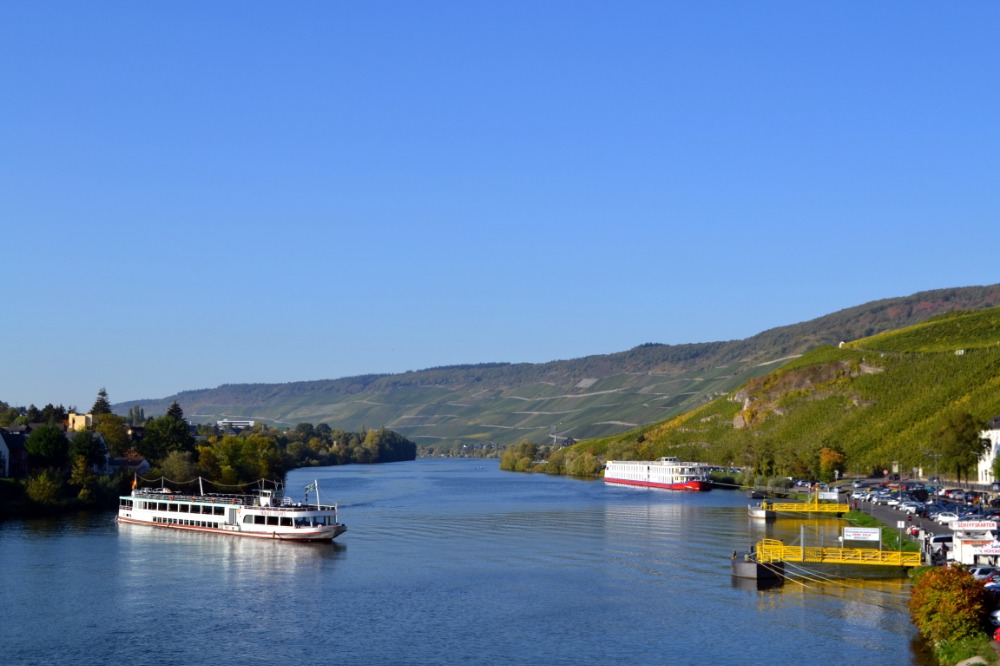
x: 974, y: 525
x: 829, y: 495
x: 989, y: 549
x: 862, y: 534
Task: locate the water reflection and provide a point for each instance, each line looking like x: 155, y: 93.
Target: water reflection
x: 227, y: 551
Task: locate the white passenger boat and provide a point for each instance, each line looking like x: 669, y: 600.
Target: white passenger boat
x: 761, y: 510
x: 669, y: 473
x: 263, y: 513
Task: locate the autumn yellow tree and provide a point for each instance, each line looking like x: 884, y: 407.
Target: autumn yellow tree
x: 948, y: 604
x: 831, y: 463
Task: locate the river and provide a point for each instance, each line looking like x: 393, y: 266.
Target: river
x: 444, y: 562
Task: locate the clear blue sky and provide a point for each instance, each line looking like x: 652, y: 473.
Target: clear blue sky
x: 200, y: 193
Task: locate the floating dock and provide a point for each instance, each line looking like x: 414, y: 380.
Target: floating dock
x: 746, y: 565
x: 806, y: 507
x: 772, y: 551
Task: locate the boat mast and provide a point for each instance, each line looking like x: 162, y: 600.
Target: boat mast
x: 313, y: 486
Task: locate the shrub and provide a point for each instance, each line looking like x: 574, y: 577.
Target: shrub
x: 44, y: 488
x: 948, y: 605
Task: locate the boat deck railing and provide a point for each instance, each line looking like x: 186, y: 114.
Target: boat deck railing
x: 280, y: 503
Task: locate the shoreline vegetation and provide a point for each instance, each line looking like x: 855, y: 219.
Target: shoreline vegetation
x: 69, y: 471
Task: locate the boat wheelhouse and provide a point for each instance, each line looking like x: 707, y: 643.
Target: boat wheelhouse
x: 262, y: 514
x: 667, y: 473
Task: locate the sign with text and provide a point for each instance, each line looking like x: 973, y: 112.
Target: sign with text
x: 974, y: 525
x: 862, y: 534
x: 989, y: 549
x: 829, y: 495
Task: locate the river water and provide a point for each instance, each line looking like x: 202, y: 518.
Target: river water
x: 444, y: 562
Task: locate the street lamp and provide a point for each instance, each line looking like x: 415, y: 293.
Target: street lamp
x: 935, y: 456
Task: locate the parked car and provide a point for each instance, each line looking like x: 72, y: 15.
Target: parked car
x: 946, y: 517
x: 982, y: 573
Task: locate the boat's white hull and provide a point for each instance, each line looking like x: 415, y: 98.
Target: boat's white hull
x: 759, y: 511
x: 258, y: 516
x: 326, y: 533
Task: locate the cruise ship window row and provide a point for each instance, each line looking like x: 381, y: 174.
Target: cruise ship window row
x: 174, y: 507
x: 184, y: 521
x: 285, y: 521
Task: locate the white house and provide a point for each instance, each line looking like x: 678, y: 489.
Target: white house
x: 992, y: 435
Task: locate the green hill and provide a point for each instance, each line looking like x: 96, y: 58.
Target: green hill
x: 877, y: 400
x: 592, y: 397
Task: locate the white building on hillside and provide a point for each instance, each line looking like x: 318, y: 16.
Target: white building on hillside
x: 991, y: 434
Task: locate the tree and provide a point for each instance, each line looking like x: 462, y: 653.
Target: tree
x: 47, y: 446
x: 177, y: 467
x: 947, y: 604
x: 101, y: 405
x: 53, y: 414
x: 831, y: 463
x: 519, y: 457
x: 163, y: 435
x: 44, y: 487
x: 82, y: 478
x: 83, y: 444
x: 136, y: 416
x: 266, y: 459
x: 959, y: 442
x: 114, y: 431
x: 175, y: 411
x: 7, y: 416
x: 584, y: 465
x: 208, y: 461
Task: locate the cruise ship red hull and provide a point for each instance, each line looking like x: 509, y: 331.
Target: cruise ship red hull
x: 696, y: 486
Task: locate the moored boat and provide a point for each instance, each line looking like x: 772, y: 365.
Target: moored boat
x: 265, y: 513
x: 762, y: 510
x: 667, y: 473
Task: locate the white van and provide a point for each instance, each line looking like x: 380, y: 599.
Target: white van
x: 940, y: 541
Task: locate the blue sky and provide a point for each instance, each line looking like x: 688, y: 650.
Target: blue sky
x: 196, y: 193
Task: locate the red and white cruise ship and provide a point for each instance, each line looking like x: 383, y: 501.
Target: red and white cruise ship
x: 668, y: 473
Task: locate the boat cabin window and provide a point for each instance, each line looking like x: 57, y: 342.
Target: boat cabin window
x: 286, y: 522
x: 272, y: 520
x: 162, y: 506
x: 218, y: 510
x: 185, y: 508
x: 258, y: 520
x: 173, y: 506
